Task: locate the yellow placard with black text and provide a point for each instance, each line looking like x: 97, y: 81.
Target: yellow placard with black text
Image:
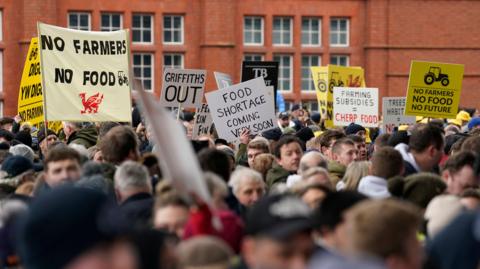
x: 434, y: 89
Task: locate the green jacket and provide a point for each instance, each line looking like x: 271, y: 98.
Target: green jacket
x: 86, y: 137
x: 242, y: 158
x: 336, y: 172
x: 276, y: 174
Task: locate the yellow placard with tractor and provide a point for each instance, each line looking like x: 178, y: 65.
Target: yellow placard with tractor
x: 434, y: 89
x: 326, y: 78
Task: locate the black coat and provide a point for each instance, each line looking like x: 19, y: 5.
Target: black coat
x: 137, y: 209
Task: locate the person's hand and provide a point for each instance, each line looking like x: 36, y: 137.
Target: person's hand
x: 245, y: 136
x: 17, y: 118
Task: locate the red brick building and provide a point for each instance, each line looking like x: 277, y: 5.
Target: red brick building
x: 383, y: 36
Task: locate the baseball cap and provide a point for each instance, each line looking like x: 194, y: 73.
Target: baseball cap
x: 278, y: 217
x: 283, y: 115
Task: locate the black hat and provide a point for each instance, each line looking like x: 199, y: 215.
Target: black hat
x: 305, y: 134
x: 353, y: 128
x: 273, y: 134
x: 283, y: 115
x: 24, y: 137
x: 15, y: 165
x: 315, y: 117
x: 278, y: 217
x: 60, y: 226
x: 295, y: 107
x: 41, y: 134
x: 6, y: 134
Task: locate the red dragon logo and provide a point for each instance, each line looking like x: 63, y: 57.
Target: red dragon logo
x: 91, y: 104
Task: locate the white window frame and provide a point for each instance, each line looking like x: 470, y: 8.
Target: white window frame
x: 340, y: 55
x: 182, y: 29
x: 182, y: 60
x: 78, y: 13
x: 262, y: 57
x: 280, y: 71
x: 281, y: 31
x: 262, y: 31
x: 142, y: 67
x: 310, y: 80
x: 339, y: 32
x: 152, y: 23
x: 110, y: 14
x: 310, y: 32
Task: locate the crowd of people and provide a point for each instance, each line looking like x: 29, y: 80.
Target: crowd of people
x: 297, y: 196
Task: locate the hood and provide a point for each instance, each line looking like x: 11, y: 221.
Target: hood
x: 406, y: 155
x: 374, y: 187
x: 86, y: 136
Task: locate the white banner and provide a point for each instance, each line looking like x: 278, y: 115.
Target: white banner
x: 85, y: 74
x: 223, y: 80
x: 182, y: 87
x: 393, y: 113
x: 248, y: 105
x: 358, y: 105
x: 203, y: 122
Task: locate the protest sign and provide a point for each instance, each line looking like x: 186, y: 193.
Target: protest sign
x: 248, y: 105
x: 434, y: 89
x: 357, y: 105
x: 223, y: 80
x: 327, y: 78
x: 85, y: 75
x: 203, y: 122
x: 182, y: 87
x: 393, y: 113
x: 267, y: 70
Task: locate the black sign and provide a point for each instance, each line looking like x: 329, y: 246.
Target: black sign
x: 267, y: 70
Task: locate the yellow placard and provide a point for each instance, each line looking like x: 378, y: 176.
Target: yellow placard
x: 326, y: 78
x: 30, y: 94
x: 434, y: 89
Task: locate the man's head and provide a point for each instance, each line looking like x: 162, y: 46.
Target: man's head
x: 386, y: 163
x: 459, y: 174
x: 310, y: 160
x: 69, y: 127
x: 170, y: 213
x: 131, y: 178
x: 278, y: 233
x: 255, y: 148
x: 6, y: 136
x: 361, y: 147
x: 248, y: 186
x: 62, y: 164
x: 317, y: 175
x: 288, y: 152
x: 283, y: 119
x: 344, y: 151
x: 119, y: 144
x: 426, y: 144
x: 327, y: 139
x: 386, y: 229
x: 44, y: 140
x: 6, y: 123
x: 355, y: 129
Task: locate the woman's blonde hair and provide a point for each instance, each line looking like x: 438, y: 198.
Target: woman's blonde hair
x: 355, y: 171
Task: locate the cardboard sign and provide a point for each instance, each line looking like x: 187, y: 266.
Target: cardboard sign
x: 248, y: 105
x: 85, y: 74
x: 203, y: 122
x: 223, y: 80
x: 267, y: 70
x: 393, y: 113
x: 357, y: 105
x: 434, y: 89
x: 182, y: 87
x: 327, y: 78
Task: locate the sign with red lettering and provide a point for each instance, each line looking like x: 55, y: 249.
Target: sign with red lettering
x: 357, y: 105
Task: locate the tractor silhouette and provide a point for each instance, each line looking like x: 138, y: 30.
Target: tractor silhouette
x: 435, y: 74
x: 322, y: 84
x: 336, y: 81
x: 122, y: 78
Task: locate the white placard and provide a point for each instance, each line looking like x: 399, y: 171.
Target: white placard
x: 203, y: 122
x: 247, y: 105
x: 223, y: 80
x: 182, y: 87
x: 393, y: 113
x: 358, y: 105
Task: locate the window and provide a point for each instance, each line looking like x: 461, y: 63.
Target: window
x: 111, y: 22
x: 307, y: 62
x: 339, y: 32
x: 142, y: 28
x: 288, y: 105
x: 143, y: 69
x: 285, y: 68
x: 253, y: 57
x: 339, y: 60
x: 79, y: 21
x: 311, y: 32
x: 282, y: 31
x: 312, y: 106
x: 173, y: 61
x: 173, y: 29
x: 253, y: 31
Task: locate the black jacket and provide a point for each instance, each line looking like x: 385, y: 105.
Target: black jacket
x: 137, y: 209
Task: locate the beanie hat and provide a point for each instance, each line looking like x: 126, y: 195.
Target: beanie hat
x: 305, y: 134
x: 419, y: 188
x: 22, y: 150
x: 315, y: 117
x: 473, y: 123
x: 15, y: 165
x: 353, y: 128
x: 41, y: 134
x: 273, y: 134
x: 24, y: 137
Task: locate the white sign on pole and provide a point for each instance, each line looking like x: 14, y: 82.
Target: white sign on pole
x: 393, y: 113
x: 357, y: 105
x: 182, y: 87
x: 248, y: 105
x: 223, y: 80
x: 203, y: 122
x: 85, y: 75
